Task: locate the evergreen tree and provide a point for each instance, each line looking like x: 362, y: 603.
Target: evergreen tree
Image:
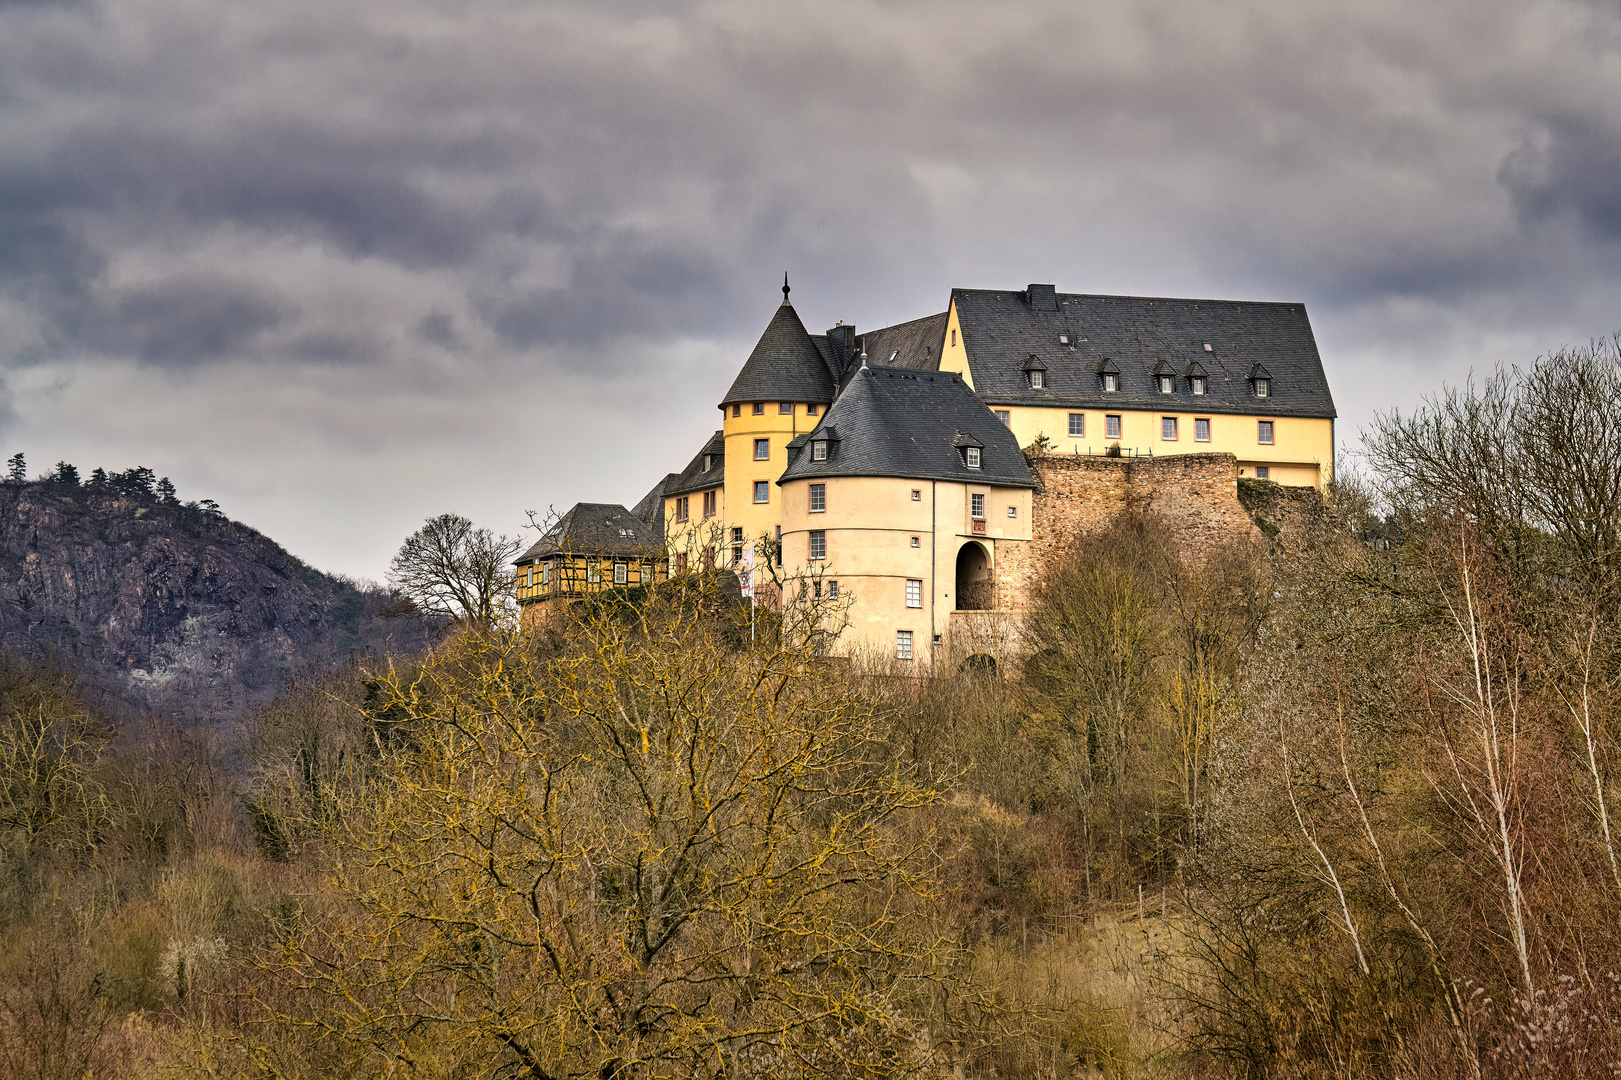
x: 18, y: 471
x: 98, y: 478
x: 166, y: 493
x: 66, y: 474
x: 136, y: 481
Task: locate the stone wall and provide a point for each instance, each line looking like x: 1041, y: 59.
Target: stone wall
x: 1196, y: 495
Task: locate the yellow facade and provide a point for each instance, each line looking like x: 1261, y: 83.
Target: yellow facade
x: 549, y: 582
x: 868, y: 528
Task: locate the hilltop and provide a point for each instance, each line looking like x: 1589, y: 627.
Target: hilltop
x: 170, y: 606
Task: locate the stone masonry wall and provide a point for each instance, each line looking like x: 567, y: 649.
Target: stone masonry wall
x: 1196, y: 495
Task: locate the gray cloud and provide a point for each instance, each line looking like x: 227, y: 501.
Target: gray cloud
x: 436, y: 210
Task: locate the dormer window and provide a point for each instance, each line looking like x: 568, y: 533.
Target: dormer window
x: 1038, y: 380
x: 708, y: 461
x: 1035, y: 372
x: 1111, y: 382
x: 1196, y: 384
x: 819, y: 450
x: 1263, y: 387
x: 1166, y: 384
x: 971, y: 456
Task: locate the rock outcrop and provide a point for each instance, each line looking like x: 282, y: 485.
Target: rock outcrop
x: 170, y: 607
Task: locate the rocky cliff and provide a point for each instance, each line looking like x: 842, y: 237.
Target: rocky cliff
x: 171, y: 607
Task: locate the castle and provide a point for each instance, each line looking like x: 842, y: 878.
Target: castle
x: 916, y: 473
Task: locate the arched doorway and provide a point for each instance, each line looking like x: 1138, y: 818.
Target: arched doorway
x: 974, y: 586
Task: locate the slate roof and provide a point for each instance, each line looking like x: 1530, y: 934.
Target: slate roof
x: 595, y: 529
x: 898, y: 422
x: 1001, y: 331
x: 693, y: 477
x: 786, y: 365
x: 651, y: 508
x: 914, y: 344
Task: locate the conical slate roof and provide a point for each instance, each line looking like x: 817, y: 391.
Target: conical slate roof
x: 784, y: 366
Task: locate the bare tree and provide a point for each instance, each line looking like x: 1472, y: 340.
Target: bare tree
x: 451, y: 569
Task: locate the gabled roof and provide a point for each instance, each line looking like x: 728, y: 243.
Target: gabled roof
x: 914, y: 344
x: 651, y: 508
x: 898, y: 422
x: 1132, y: 334
x: 596, y: 529
x: 694, y: 477
x: 786, y: 365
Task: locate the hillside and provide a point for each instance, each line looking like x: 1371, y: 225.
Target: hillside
x: 168, y: 606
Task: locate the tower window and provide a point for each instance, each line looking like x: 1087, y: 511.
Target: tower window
x: 818, y: 544
x: 737, y: 545
x: 914, y: 592
x: 1111, y: 427
x: 1077, y: 424
x: 1263, y: 432
x: 818, y: 498
x: 903, y: 645
x: 762, y: 491
x: 737, y: 410
x: 915, y: 542
x: 762, y: 449
x: 759, y: 408
x: 833, y: 589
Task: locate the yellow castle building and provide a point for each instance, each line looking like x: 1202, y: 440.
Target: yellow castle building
x: 888, y: 469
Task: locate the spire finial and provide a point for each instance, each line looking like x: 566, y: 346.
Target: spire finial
x: 785, y: 286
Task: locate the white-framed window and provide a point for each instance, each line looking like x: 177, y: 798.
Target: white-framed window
x: 819, y: 450
x: 647, y: 572
x: 917, y: 495
x: 1077, y: 424
x: 1197, y: 384
x: 593, y: 574
x: 762, y: 449
x: 1263, y: 472
x: 916, y: 542
x: 786, y: 408
x: 1111, y: 382
x: 737, y: 545
x: 972, y: 457
x: 1166, y: 384
x: 1263, y: 387
x: 833, y: 589
x: 621, y: 573
x: 1013, y: 511
x: 976, y: 506
x: 545, y: 574
x: 914, y: 592
x: 1167, y: 428
x: 818, y: 544
x: 1201, y: 430
x: 903, y: 645
x: 1263, y: 432
x: 1005, y: 416
x: 759, y: 408
x: 1111, y: 427
x: 708, y: 460
x: 762, y: 491
x: 818, y: 498
x: 1038, y: 380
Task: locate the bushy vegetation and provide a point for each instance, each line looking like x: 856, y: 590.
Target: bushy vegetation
x: 1337, y: 804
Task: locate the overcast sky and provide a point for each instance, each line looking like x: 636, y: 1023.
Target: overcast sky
x: 342, y: 266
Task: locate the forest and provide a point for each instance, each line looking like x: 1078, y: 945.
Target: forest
x: 1331, y: 803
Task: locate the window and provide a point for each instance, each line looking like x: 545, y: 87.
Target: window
x: 816, y: 590
x: 546, y: 574
x: 903, y: 644
x: 1201, y: 431
x: 530, y: 584
x: 1167, y: 428
x: 972, y: 457
x: 762, y: 491
x: 1111, y: 427
x: 810, y: 410
x: 976, y: 506
x: 1111, y: 382
x: 954, y: 337
x: 737, y: 410
x: 786, y: 408
x: 681, y: 508
x: 818, y: 498
x: 593, y: 574
x: 737, y: 545
x: 833, y: 589
x: 1038, y: 380
x: 917, y: 495
x: 1263, y: 432
x: 1263, y: 387
x: 762, y: 449
x: 819, y: 450
x: 914, y: 592
x: 621, y: 573
x: 759, y: 408
x: 709, y: 503
x: 1197, y: 384
x: 779, y: 545
x: 647, y: 572
x: 681, y: 562
x: 1263, y: 472
x: 818, y: 544
x: 1013, y: 511
x: 1005, y: 416
x: 1166, y: 384
x: 916, y: 542
x: 707, y: 461
x: 1077, y: 424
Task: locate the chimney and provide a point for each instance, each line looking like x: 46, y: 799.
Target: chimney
x: 843, y: 338
x: 1042, y: 297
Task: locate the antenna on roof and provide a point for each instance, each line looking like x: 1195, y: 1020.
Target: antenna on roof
x: 785, y: 286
